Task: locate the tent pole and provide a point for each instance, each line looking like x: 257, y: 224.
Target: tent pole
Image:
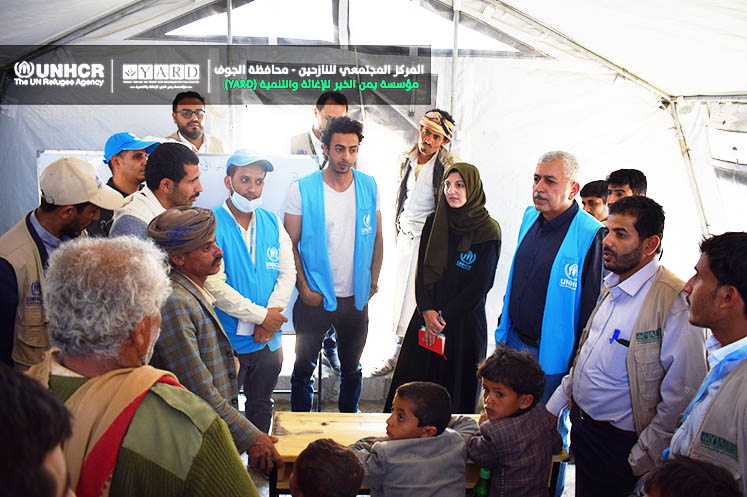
x: 231, y: 96
x: 456, y: 7
x: 705, y: 226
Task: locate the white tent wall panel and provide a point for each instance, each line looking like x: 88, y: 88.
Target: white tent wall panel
x: 510, y: 112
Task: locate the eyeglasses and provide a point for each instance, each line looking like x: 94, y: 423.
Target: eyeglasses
x: 187, y: 113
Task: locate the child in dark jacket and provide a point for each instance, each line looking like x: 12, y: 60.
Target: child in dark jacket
x: 517, y: 436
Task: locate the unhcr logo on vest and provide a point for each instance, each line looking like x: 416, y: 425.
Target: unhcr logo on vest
x: 571, y: 276
x: 273, y: 256
x: 466, y: 259
x: 366, y: 228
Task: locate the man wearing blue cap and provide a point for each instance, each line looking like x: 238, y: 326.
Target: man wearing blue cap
x: 254, y: 283
x: 126, y: 155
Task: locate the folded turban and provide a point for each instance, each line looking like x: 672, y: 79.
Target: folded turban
x: 182, y: 229
x: 436, y: 122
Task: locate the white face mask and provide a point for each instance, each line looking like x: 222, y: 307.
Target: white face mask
x: 242, y: 203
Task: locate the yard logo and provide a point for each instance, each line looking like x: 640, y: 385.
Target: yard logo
x: 466, y: 259
x: 366, y: 228
x: 160, y: 72
x: 273, y: 256
x: 720, y: 445
x: 571, y: 276
x: 24, y: 69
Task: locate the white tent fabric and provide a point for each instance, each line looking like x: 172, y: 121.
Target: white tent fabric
x: 628, y: 84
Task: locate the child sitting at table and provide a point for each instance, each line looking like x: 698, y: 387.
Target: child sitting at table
x: 420, y: 455
x: 517, y: 436
x: 326, y: 469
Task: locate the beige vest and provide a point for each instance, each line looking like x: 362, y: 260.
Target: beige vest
x: 721, y: 438
x: 214, y: 145
x: 645, y: 372
x: 30, y: 341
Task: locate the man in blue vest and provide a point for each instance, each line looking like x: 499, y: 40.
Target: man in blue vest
x: 333, y: 219
x: 254, y: 283
x: 556, y: 275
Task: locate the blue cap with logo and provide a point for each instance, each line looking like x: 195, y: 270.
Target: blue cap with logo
x: 245, y: 157
x: 126, y: 141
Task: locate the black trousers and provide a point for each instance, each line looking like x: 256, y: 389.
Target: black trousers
x: 602, y: 468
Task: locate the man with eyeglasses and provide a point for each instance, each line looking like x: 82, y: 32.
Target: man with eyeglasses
x: 421, y: 173
x: 126, y: 155
x: 188, y: 111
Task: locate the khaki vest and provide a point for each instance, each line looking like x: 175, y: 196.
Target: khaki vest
x: 19, y: 248
x: 721, y: 438
x: 645, y: 372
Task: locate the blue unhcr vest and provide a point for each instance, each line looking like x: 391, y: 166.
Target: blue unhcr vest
x: 313, y: 244
x: 563, y: 300
x: 254, y: 281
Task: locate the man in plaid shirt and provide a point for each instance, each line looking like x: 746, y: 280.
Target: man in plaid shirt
x: 193, y: 344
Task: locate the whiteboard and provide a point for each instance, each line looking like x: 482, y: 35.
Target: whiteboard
x: 288, y: 168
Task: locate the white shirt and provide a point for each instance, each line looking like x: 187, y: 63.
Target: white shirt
x: 600, y: 379
x: 231, y: 301
x: 339, y: 213
x: 419, y: 203
x: 206, y: 140
x: 683, y: 437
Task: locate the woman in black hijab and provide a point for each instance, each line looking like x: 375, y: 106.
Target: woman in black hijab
x: 458, y: 255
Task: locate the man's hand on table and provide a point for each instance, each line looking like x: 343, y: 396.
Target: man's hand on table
x: 263, y: 453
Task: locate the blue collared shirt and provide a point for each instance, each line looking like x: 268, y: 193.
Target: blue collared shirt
x: 50, y: 241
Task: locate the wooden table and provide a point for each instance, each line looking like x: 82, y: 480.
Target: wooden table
x: 296, y: 430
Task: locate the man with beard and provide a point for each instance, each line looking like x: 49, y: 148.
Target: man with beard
x: 640, y: 361
x: 334, y: 222
x: 255, y: 281
x: 329, y: 105
x: 136, y: 430
x: 172, y: 178
x: 193, y: 344
x: 71, y: 198
x: 126, y: 155
x: 713, y: 426
x: 188, y: 112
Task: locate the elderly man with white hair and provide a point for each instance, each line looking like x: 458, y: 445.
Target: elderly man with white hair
x: 556, y: 273
x: 136, y: 430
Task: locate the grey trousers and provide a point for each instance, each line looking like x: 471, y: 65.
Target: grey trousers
x: 258, y: 373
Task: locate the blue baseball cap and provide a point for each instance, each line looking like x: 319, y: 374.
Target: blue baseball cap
x: 245, y: 157
x: 126, y: 141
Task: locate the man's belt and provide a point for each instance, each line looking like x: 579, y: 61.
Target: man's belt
x: 604, y: 426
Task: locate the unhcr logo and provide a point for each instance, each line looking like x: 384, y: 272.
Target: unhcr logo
x: 570, y: 280
x: 366, y: 228
x: 273, y: 256
x: 466, y: 259
x: 30, y: 74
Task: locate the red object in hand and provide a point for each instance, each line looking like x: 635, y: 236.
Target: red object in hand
x: 438, y: 347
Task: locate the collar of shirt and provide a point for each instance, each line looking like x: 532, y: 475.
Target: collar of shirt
x: 563, y: 219
x: 318, y: 150
x: 718, y: 354
x: 50, y: 241
x: 111, y: 183
x: 203, y: 148
x: 633, y: 284
x: 207, y: 295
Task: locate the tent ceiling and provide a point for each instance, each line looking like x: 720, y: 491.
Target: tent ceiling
x: 683, y: 48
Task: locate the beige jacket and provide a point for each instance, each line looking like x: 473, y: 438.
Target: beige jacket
x: 24, y: 254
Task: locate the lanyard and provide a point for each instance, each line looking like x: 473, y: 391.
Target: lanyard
x: 715, y: 374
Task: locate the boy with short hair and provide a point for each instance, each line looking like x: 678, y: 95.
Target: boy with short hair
x: 326, y: 469
x: 517, y: 436
x: 685, y: 476
x: 423, y: 453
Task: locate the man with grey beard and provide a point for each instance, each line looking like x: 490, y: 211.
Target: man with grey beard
x: 136, y: 430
